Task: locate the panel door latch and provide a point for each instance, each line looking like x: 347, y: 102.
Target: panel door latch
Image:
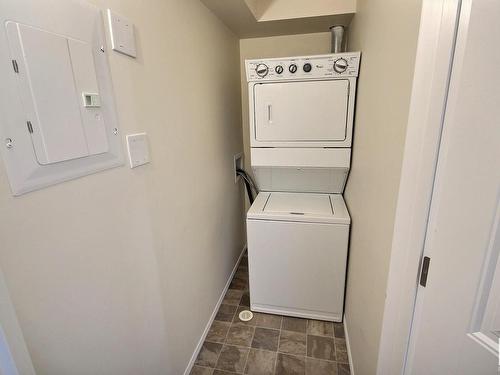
x: 15, y: 66
x: 425, y: 271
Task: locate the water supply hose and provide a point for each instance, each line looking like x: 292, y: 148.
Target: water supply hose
x: 250, y: 186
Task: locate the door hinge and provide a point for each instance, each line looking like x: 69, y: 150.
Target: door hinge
x: 15, y: 66
x: 30, y: 126
x: 425, y: 271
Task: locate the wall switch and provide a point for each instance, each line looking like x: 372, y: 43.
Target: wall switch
x: 138, y: 149
x: 122, y: 34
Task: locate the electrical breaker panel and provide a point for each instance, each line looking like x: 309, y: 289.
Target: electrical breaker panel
x: 60, y: 121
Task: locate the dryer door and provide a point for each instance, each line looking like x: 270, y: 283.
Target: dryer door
x: 312, y: 111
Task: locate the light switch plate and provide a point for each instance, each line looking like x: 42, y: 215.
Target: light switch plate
x: 122, y: 34
x: 138, y: 149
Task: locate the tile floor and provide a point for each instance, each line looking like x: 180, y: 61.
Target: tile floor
x: 269, y: 344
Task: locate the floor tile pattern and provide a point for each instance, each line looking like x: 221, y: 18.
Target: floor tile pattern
x: 268, y: 344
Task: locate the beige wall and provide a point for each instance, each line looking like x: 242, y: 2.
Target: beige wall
x: 118, y: 272
x: 278, y: 46
x: 386, y: 33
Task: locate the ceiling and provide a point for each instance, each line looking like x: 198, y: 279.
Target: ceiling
x: 259, y: 18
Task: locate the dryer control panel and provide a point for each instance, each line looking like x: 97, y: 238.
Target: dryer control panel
x: 304, y: 67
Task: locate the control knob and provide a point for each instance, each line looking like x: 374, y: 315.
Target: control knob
x: 278, y: 69
x: 307, y: 67
x: 340, y: 65
x: 262, y: 70
x: 292, y: 68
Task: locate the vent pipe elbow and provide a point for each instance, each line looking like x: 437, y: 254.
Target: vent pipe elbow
x: 338, y: 44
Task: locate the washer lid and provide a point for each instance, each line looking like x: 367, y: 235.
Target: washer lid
x: 299, y: 204
x: 301, y: 207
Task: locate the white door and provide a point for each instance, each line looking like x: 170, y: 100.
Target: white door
x: 14, y: 355
x: 301, y: 111
x: 457, y: 316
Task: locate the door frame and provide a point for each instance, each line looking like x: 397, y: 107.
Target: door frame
x: 14, y: 356
x: 433, y: 65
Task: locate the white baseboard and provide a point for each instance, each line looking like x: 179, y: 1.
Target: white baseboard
x: 351, y: 367
x: 212, y: 317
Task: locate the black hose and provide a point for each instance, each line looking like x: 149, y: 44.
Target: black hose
x: 248, y: 179
x: 249, y: 191
x: 249, y: 184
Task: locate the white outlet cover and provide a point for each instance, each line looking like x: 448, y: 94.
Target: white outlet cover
x: 122, y: 34
x: 138, y: 149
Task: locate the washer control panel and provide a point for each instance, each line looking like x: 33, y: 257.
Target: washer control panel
x: 304, y: 67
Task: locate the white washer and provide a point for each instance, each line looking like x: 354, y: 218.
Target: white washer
x: 297, y: 254
x: 301, y: 121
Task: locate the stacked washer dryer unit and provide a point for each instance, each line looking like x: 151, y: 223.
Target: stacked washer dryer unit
x: 301, y: 122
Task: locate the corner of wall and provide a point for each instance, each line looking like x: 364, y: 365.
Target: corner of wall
x: 382, y: 106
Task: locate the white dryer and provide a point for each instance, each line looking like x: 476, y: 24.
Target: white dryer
x: 301, y: 120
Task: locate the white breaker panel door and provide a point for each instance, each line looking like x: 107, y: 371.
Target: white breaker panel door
x: 57, y: 78
x: 56, y: 103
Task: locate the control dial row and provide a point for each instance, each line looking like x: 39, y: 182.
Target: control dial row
x: 262, y: 70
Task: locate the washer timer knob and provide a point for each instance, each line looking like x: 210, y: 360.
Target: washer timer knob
x: 262, y: 70
x: 278, y: 69
x: 340, y: 65
x: 292, y: 68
